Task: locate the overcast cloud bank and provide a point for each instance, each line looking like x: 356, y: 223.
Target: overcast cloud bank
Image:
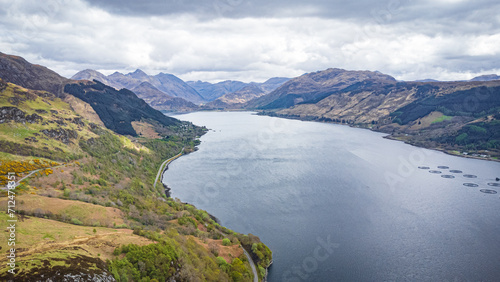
x: 255, y: 40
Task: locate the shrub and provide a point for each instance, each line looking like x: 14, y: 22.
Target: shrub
x: 226, y: 242
x: 76, y: 221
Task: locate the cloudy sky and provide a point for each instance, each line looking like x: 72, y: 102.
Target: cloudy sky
x: 215, y: 40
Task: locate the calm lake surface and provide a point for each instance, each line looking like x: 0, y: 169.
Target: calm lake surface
x: 336, y: 203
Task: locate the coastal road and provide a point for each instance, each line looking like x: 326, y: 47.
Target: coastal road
x: 252, y: 265
x: 166, y: 163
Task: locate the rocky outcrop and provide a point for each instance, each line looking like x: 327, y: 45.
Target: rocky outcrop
x: 78, y: 121
x: 61, y: 134
x: 16, y: 115
x: 3, y: 85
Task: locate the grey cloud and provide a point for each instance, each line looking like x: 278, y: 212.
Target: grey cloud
x: 474, y: 64
x: 247, y: 8
x: 382, y: 12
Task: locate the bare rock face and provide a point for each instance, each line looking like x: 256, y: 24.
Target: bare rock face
x: 16, y: 115
x: 78, y: 121
x: 61, y: 134
x: 3, y: 85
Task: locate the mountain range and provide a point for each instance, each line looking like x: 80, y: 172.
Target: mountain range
x: 212, y: 91
x: 164, y: 87
x: 169, y: 93
x: 250, y: 91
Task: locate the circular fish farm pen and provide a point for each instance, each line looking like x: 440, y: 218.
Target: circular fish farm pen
x: 447, y: 176
x: 488, y: 191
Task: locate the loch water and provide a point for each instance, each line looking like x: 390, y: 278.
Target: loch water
x: 336, y: 203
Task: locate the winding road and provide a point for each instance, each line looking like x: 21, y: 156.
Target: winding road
x: 252, y: 265
x: 166, y: 163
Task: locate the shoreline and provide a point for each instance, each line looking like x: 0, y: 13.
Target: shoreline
x: 163, y: 169
x: 388, y: 136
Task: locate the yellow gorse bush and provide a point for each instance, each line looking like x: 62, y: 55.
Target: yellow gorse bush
x: 21, y: 167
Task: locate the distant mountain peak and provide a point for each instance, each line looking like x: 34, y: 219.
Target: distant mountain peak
x: 87, y: 74
x: 139, y: 71
x: 139, y: 74
x: 486, y: 77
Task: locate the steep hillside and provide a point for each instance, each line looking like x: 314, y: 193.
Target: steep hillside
x: 174, y: 86
x: 272, y: 84
x: 169, y: 84
x: 39, y: 124
x: 17, y: 70
x: 212, y: 91
x: 162, y: 102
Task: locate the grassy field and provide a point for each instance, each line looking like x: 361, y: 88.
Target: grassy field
x: 59, y: 243
x: 86, y: 213
x: 442, y: 118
